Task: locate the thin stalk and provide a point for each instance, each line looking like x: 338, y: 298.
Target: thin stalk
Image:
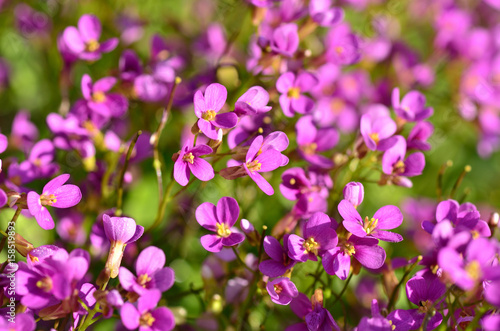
x: 343, y: 289
x: 119, y: 200
x: 464, y: 172
x: 403, y: 280
x: 13, y: 221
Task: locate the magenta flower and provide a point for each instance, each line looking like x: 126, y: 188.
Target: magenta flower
x: 291, y: 87
x: 417, y: 138
x: 380, y: 323
x: 324, y: 14
x: 84, y: 40
x: 343, y: 47
x: 395, y: 164
x: 150, y: 271
x: 354, y: 193
x: 312, y: 140
x: 315, y: 316
x: 282, y: 290
x: 412, y: 107
x: 257, y: 162
x: 318, y: 237
x: 189, y: 161
x: 206, y: 107
x: 55, y: 194
x: 144, y: 316
x: 337, y: 261
x: 377, y: 127
x: 279, y: 261
x: 423, y: 292
x: 219, y: 219
x: 285, y: 39
x: 23, y: 322
x: 120, y: 232
x: 253, y: 101
x: 386, y: 218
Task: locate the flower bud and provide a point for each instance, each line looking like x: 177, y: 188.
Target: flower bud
x: 354, y: 193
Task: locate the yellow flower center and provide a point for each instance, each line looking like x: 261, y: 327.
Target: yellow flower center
x: 143, y: 280
x: 45, y: 284
x: 293, y: 181
x: 255, y: 165
x: 309, y: 149
x: 222, y: 230
x: 375, y: 137
x: 98, y: 97
x: 339, y: 50
x: 209, y: 115
x: 92, y: 46
x: 399, y: 167
x: 370, y: 225
x: 473, y: 269
x: 349, y: 249
x: 293, y: 92
x: 163, y: 55
x: 311, y: 246
x: 424, y: 306
x: 146, y: 319
x: 48, y: 200
x: 189, y: 157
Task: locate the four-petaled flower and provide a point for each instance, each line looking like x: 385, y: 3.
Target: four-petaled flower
x: 188, y: 161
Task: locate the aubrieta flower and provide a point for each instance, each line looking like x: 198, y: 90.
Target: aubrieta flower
x: 23, y: 322
x: 354, y: 192
x: 257, y: 161
x: 318, y: 237
x: 145, y: 315
x: 412, y: 107
x: 282, y: 290
x: 417, y: 138
x: 425, y: 293
x: 395, y: 165
x: 54, y: 194
x: 120, y: 232
x: 285, y: 39
x: 343, y: 47
x: 311, y: 140
x: 337, y: 261
x: 279, y: 262
x: 221, y: 220
x: 322, y: 12
x: 377, y: 128
x: 150, y: 271
x: 84, y: 40
x: 292, y: 100
x: 253, y: 101
x: 206, y: 107
x: 315, y: 316
x: 381, y: 323
x: 386, y: 218
x: 188, y: 161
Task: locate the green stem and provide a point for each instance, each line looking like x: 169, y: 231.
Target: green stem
x: 240, y: 260
x: 343, y: 289
x: 119, y: 201
x: 430, y: 310
x: 163, y: 205
x: 405, y: 277
x: 11, y: 223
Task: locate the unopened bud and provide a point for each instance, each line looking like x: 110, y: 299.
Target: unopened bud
x: 22, y: 245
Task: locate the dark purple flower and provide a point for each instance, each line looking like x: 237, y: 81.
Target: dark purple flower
x: 219, y: 219
x: 253, y: 101
x: 280, y: 262
x: 189, y: 161
x: 291, y: 87
x: 84, y: 40
x: 120, y: 232
x: 386, y: 218
x: 30, y: 22
x: 150, y: 271
x: 55, y: 194
x: 423, y: 292
x: 145, y: 317
x: 282, y: 290
x: 318, y: 237
x: 129, y: 65
x: 412, y: 107
x: 314, y: 315
x: 354, y: 193
x: 206, y: 107
x: 337, y: 261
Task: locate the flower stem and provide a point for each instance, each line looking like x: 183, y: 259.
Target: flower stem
x: 12, y: 222
x: 343, y: 289
x: 403, y: 280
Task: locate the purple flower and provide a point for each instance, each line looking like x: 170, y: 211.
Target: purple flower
x: 380, y: 323
x: 285, y: 39
x: 253, y: 101
x: 324, y: 14
x: 144, y: 316
x: 354, y: 193
x: 423, y: 292
x: 129, y: 65
x: 292, y: 100
x: 342, y: 46
x: 150, y: 273
x: 386, y: 218
x: 377, y: 127
x: 395, y: 164
x: 337, y: 261
x: 258, y: 161
x: 417, y: 138
x: 84, y: 40
x: 206, y: 107
x: 189, y: 161
x: 318, y: 237
x: 282, y: 290
x: 219, y: 219
x: 23, y: 322
x: 55, y: 194
x: 30, y: 22
x: 314, y: 315
x: 23, y: 133
x: 412, y: 107
x: 280, y: 262
x: 312, y: 140
x: 120, y: 232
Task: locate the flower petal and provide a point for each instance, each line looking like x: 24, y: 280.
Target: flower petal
x: 228, y: 211
x: 206, y: 216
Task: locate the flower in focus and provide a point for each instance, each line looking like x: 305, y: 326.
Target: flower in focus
x: 279, y: 262
x: 282, y: 290
x: 54, y: 194
x: 189, y: 161
x: 292, y: 100
x: 219, y: 219
x: 354, y: 193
